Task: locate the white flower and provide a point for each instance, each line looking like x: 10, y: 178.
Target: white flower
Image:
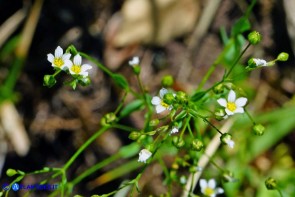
x: 159, y: 103
x: 77, y: 69
x: 59, y: 60
x: 233, y: 105
x: 229, y: 142
x: 144, y: 155
x: 174, y: 130
x: 260, y: 62
x: 209, y: 188
x: 134, y: 61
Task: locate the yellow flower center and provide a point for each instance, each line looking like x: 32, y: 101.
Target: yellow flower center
x: 208, y: 191
x: 231, y: 106
x: 76, y: 69
x: 58, y: 62
x: 164, y: 104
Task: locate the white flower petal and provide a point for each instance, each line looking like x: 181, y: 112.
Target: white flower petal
x: 228, y: 112
x: 163, y: 91
x: 222, y: 102
x: 58, y: 52
x: 259, y: 62
x: 50, y: 58
x: 85, y: 67
x: 144, y: 155
x: 160, y: 108
x: 203, y: 183
x: 239, y: 110
x: 67, y: 63
x: 156, y: 100
x: 77, y: 59
x: 174, y: 130
x: 231, y: 143
x: 134, y: 61
x: 66, y: 56
x: 231, y: 96
x: 212, y: 183
x: 241, y: 102
x: 219, y: 190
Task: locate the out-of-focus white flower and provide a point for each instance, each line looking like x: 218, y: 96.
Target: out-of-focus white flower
x: 134, y: 61
x: 144, y: 155
x: 174, y: 130
x: 233, y: 105
x: 77, y: 69
x: 159, y: 103
x: 209, y: 188
x: 260, y: 62
x: 59, y: 59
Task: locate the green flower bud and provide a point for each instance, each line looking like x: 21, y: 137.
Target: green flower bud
x: 228, y: 176
x: 11, y: 172
x: 134, y: 135
x: 220, y: 114
x: 226, y: 139
x: 181, y: 97
x: 108, y: 119
x: 173, y: 175
x: 197, y: 145
x: 178, y: 142
x: 49, y: 81
x: 175, y: 166
x: 169, y: 98
x: 85, y: 81
x: 258, y: 129
x: 219, y: 89
x: 154, y: 122
x: 167, y: 81
x: 254, y: 37
x: 283, y: 57
x: 251, y: 63
x: 271, y: 183
x: 136, y: 69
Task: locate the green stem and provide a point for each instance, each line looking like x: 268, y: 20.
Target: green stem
x: 84, y: 146
x: 250, y: 117
x: 99, y: 65
x: 280, y: 192
x: 236, y: 61
x: 121, y: 103
x: 208, y: 74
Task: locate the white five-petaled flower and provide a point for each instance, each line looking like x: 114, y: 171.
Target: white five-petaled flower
x: 144, y: 155
x: 134, y: 61
x: 174, y: 130
x: 233, y: 105
x: 260, y: 62
x: 159, y: 103
x: 209, y: 188
x: 77, y: 69
x: 59, y: 59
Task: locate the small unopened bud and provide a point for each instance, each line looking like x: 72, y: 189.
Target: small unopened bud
x: 219, y: 89
x: 220, y: 114
x: 49, y: 81
x: 154, y: 122
x: 283, y: 57
x: 258, y: 129
x: 167, y: 81
x: 254, y: 37
x: 227, y: 140
x: 175, y: 166
x: 11, y: 172
x: 197, y: 145
x: 108, y: 119
x: 181, y: 97
x: 85, y: 81
x: 271, y: 183
x: 178, y: 142
x: 228, y: 176
x: 136, y: 69
x: 134, y: 135
x: 169, y: 98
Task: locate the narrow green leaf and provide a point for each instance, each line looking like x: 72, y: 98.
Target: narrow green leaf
x: 131, y: 107
x: 121, y: 81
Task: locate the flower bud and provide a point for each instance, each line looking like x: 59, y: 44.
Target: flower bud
x: 271, y: 183
x: 108, y: 119
x: 11, y: 172
x: 167, y: 81
x: 178, y: 142
x: 228, y: 176
x: 197, y: 145
x: 258, y: 129
x: 182, y: 180
x: 219, y: 89
x: 181, y: 97
x: 136, y: 69
x: 134, y: 135
x: 85, y: 81
x: 175, y: 166
x: 220, y: 114
x: 283, y: 57
x: 227, y: 140
x: 169, y: 98
x: 154, y: 122
x: 49, y: 81
x: 254, y: 37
